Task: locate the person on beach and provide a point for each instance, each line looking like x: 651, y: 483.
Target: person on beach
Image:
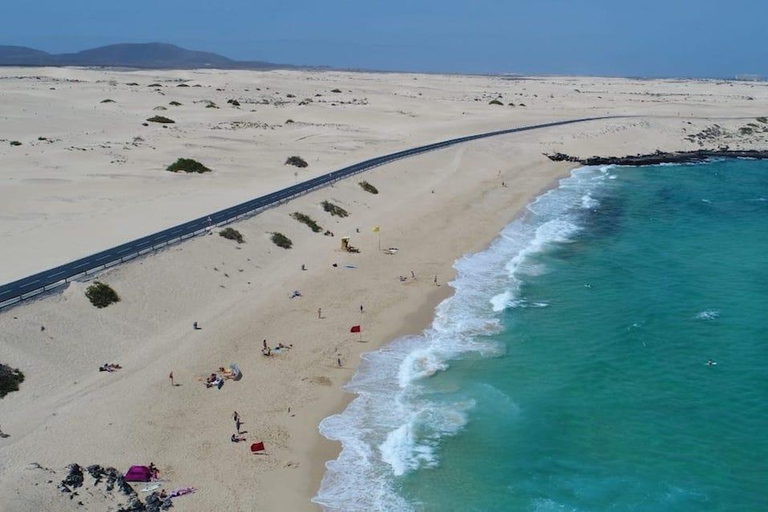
x: 319, y: 313
x: 195, y: 326
x: 338, y: 360
x: 236, y: 438
x: 435, y: 280
x: 170, y: 376
x: 235, y: 417
x: 413, y: 276
x: 264, y: 344
x: 361, y: 308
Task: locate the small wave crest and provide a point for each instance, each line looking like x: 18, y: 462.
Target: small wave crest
x: 709, y: 314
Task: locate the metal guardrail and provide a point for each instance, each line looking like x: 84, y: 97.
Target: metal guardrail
x: 28, y: 287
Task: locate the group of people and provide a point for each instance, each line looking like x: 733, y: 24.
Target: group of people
x: 110, y: 367
x: 266, y: 350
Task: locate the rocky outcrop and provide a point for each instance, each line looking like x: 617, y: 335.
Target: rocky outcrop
x: 661, y: 157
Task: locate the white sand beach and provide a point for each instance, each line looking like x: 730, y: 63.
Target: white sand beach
x: 88, y: 175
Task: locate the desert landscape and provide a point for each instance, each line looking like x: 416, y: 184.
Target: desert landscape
x: 84, y: 168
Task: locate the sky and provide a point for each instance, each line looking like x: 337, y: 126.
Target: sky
x: 650, y: 38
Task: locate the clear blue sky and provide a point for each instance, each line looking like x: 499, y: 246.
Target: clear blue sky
x: 601, y: 37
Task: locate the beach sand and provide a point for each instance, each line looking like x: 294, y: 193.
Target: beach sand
x: 93, y: 184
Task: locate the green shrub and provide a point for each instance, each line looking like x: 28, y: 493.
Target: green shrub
x: 182, y: 85
x: 154, y: 85
x: 336, y: 90
x: 15, y: 143
x: 175, y: 104
x: 161, y: 119
x: 131, y: 84
x: 232, y: 234
x: 234, y: 103
x: 281, y: 240
x: 10, y: 378
x: 309, y: 221
x: 495, y: 102
x: 101, y: 295
x: 762, y: 120
x: 368, y: 187
x: 108, y: 101
x: 333, y: 209
x: 160, y: 107
x: 297, y: 161
x: 187, y: 165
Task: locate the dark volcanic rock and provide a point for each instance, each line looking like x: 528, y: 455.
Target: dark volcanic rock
x: 74, y: 478
x: 660, y: 157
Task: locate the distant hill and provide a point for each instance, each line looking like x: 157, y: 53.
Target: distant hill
x: 141, y: 55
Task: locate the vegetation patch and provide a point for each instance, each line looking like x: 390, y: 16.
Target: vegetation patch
x: 10, y: 378
x: 182, y: 85
x: 309, y: 221
x: 175, y: 104
x: 15, y: 143
x: 762, y: 120
x: 154, y: 85
x: 336, y: 90
x: 296, y: 161
x: 234, y: 103
x: 108, y: 100
x: 101, y: 295
x: 281, y: 240
x: 289, y: 121
x: 495, y: 102
x: 131, y: 84
x: 160, y: 107
x: 232, y: 234
x: 334, y: 209
x: 187, y: 165
x: 368, y: 187
x: 161, y: 120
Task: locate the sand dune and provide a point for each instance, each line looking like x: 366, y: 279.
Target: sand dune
x: 98, y: 179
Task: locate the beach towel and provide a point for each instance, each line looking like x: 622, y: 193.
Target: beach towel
x: 257, y: 447
x: 138, y: 474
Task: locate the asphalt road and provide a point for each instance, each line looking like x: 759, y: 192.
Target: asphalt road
x: 27, y: 287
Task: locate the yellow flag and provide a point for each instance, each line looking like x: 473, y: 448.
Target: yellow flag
x: 376, y: 229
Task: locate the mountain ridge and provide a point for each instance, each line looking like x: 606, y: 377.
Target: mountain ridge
x: 130, y: 55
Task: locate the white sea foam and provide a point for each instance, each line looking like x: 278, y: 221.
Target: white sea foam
x: 396, y: 425
x: 709, y: 314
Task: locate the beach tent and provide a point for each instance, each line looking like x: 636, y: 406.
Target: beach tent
x: 138, y: 474
x: 236, y: 373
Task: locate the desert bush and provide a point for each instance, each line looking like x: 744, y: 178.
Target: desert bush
x: 160, y: 107
x: 131, y: 84
x: 495, y: 102
x: 175, y: 104
x: 289, y: 121
x: 161, y: 119
x: 336, y: 90
x: 182, y: 85
x: 234, y: 103
x: 10, y: 378
x: 745, y: 130
x: 368, y: 187
x: 154, y: 85
x: 15, y: 143
x: 187, y: 165
x: 334, y: 210
x: 211, y: 104
x: 290, y: 95
x: 309, y: 221
x: 296, y: 161
x: 232, y: 234
x: 762, y: 120
x: 101, y: 295
x: 281, y: 240
x: 108, y: 100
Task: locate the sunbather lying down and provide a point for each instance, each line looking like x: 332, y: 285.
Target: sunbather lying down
x: 236, y: 438
x: 214, y: 380
x: 110, y: 367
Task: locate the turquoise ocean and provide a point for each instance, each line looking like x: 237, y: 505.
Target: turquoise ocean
x: 569, y: 372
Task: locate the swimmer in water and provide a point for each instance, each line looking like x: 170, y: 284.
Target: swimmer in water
x: 711, y: 363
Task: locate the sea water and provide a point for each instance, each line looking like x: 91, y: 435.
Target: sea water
x: 571, y: 369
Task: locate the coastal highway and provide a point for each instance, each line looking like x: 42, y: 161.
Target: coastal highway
x: 14, y: 292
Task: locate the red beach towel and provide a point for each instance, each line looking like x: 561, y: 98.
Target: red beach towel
x: 257, y: 447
